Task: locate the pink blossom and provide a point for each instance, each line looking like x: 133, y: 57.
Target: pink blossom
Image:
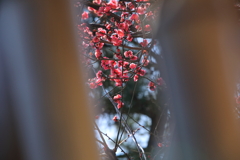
x: 138, y: 27
x: 106, y: 9
x: 99, y: 82
x: 135, y: 78
x: 108, y: 26
x: 118, y: 50
x: 115, y: 72
x: 134, y: 17
x: 97, y: 1
x: 118, y: 83
x: 129, y: 37
x: 105, y: 64
x: 118, y: 55
x: 115, y: 118
x: 101, y: 32
x: 124, y: 14
x: 121, y: 64
x: 99, y: 45
x: 151, y: 86
x: 119, y: 32
x: 141, y: 10
x: 117, y: 97
x: 123, y: 26
x: 144, y: 43
x: 95, y: 39
x: 128, y: 53
x: 125, y: 64
x: 145, y: 62
x: 131, y: 6
x: 85, y: 15
x: 116, y: 41
x: 98, y: 53
x: 99, y: 74
x: 142, y: 72
x: 132, y: 65
x: 113, y: 4
x: 147, y: 28
x: 134, y: 58
x: 160, y: 145
x: 92, y: 85
x: 120, y: 105
x: 91, y: 9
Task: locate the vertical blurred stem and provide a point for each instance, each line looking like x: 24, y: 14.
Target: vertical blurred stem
x: 47, y: 91
x: 199, y: 43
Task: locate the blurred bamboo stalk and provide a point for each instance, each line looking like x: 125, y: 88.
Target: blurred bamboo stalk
x: 44, y: 92
x: 200, y: 45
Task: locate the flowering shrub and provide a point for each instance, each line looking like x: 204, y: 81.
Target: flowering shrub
x: 117, y: 45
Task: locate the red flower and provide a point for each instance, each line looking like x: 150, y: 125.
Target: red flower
x: 98, y: 53
x: 115, y: 118
x: 118, y: 83
x: 120, y: 105
x: 145, y: 62
x: 106, y: 9
x: 128, y: 53
x: 95, y: 39
x: 131, y: 6
x: 144, y: 43
x: 118, y: 55
x: 116, y: 72
x: 97, y: 1
x: 99, y: 82
x: 142, y: 72
x: 135, y: 78
x: 116, y: 41
x: 141, y: 10
x: 138, y: 27
x: 101, y: 32
x: 99, y: 74
x: 117, y: 97
x: 119, y: 32
x: 134, y: 17
x: 160, y: 145
x: 134, y: 58
x: 85, y: 15
x: 91, y: 9
x: 123, y: 26
x: 113, y: 4
x: 151, y: 86
x: 132, y: 65
x: 108, y: 26
x: 129, y: 37
x: 99, y: 45
x: 147, y: 28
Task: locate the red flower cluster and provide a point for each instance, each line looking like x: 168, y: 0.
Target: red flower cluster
x: 116, y: 44
x: 119, y: 24
x: 117, y: 99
